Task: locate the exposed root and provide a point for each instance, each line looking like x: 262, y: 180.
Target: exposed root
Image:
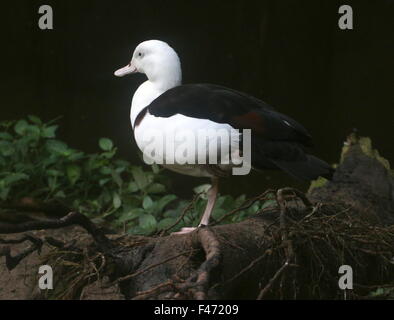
x: 211, y: 246
x: 13, y: 261
x: 198, y: 283
x: 75, y: 268
x: 276, y: 276
x: 73, y: 218
x: 163, y: 287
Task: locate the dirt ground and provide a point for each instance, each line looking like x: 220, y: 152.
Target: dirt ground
x: 21, y: 283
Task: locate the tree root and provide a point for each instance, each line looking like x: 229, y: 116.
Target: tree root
x: 13, y: 261
x: 211, y: 246
x: 73, y: 218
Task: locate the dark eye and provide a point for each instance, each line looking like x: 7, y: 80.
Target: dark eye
x: 140, y: 54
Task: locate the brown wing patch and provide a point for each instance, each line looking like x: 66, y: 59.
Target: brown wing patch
x: 251, y: 120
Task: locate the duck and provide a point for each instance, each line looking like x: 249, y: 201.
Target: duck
x: 168, y: 118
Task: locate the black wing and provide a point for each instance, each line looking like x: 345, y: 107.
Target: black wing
x: 278, y: 142
x: 223, y: 105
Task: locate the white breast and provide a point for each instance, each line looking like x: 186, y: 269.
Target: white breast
x: 143, y: 96
x: 199, y: 137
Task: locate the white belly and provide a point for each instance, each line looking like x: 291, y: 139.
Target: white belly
x: 178, y: 139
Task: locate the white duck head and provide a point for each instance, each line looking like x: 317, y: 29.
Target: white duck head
x: 158, y: 61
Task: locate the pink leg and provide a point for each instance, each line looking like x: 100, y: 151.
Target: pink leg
x: 212, y: 195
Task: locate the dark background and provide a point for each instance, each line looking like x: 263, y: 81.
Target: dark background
x: 289, y: 53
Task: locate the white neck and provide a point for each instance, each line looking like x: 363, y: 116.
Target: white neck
x: 169, y: 76
x: 151, y: 89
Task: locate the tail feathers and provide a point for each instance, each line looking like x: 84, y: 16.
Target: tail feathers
x: 308, y: 169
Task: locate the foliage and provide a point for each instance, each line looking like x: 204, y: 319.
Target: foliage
x: 34, y: 164
x: 382, y: 293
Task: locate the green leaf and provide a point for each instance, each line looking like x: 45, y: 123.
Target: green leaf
x: 155, y: 168
x: 136, y: 212
x: 218, y: 213
x: 60, y: 194
x: 128, y: 215
x: 122, y: 163
x: 165, y: 223
x: 148, y: 223
x: 203, y: 189
x: 15, y: 177
x: 35, y: 119
x: 49, y: 160
x: 94, y: 162
x: 377, y: 292
x: 104, y: 181
x: 33, y: 131
x: 20, y: 127
x: 49, y: 132
x: 105, y: 144
x: 105, y: 170
x: 117, y: 178
x: 164, y: 201
x: 73, y: 173
x: 6, y: 148
x: 147, y: 203
x: 54, y: 173
x: 132, y: 187
x: 56, y: 146
x: 5, y: 136
x: 109, y: 154
x: 117, y: 202
x: 156, y: 188
x: 52, y: 183
x: 76, y: 155
x: 176, y: 212
x: 140, y: 177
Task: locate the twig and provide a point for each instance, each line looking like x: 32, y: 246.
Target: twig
x: 142, y: 295
x: 188, y: 207
x: 282, y: 218
x: 246, y: 205
x: 278, y: 273
x: 248, y: 267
